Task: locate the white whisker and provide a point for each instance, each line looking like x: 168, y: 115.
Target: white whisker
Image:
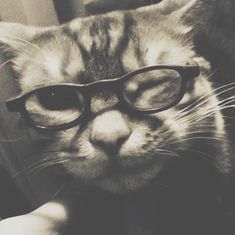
x: 39, y: 168
x: 206, y: 132
x: 188, y: 109
x: 204, y: 155
x: 29, y: 43
x: 45, y: 160
x: 5, y: 63
x: 165, y: 151
x: 197, y: 138
x: 59, y: 190
x: 207, y: 112
x: 12, y: 139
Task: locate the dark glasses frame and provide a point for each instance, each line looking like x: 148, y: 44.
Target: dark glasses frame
x: 187, y: 72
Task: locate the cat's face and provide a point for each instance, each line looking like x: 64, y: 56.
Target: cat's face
x: 113, y: 148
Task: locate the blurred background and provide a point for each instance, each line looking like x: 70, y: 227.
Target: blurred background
x: 53, y: 12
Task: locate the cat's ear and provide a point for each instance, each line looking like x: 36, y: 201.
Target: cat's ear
x: 14, y: 35
x: 180, y: 17
x: 167, y: 7
x: 185, y: 8
x: 176, y: 11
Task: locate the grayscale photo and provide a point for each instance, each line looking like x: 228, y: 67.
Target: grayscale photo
x: 117, y: 117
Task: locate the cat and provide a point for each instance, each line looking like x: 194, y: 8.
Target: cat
x: 172, y: 162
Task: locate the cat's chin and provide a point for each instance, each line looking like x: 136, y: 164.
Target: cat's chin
x: 121, y: 181
x: 126, y: 183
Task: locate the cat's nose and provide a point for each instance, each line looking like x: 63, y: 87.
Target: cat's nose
x: 109, y: 131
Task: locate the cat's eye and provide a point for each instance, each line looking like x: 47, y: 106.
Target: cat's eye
x: 59, y: 98
x: 156, y: 89
x: 54, y: 106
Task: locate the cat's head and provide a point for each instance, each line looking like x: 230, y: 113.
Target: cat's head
x: 113, y: 146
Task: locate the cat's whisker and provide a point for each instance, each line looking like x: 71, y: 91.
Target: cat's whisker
x: 206, y: 132
x: 164, y: 153
x: 229, y: 100
x: 228, y: 117
x: 211, y: 112
x: 46, y: 163
x: 223, y: 107
x: 190, y: 124
x: 10, y: 140
x: 11, y: 60
x: 27, y: 168
x: 212, y: 73
x: 228, y: 104
x: 194, y: 122
x: 39, y: 168
x: 204, y: 126
x: 207, y: 112
x: 167, y: 153
x: 5, y: 63
x: 211, y: 125
x: 219, y: 135
x: 198, y: 138
x: 199, y: 102
x: 165, y: 150
x: 28, y: 43
x: 44, y: 160
x: 215, y: 93
x: 154, y: 150
x: 61, y: 188
x: 205, y: 156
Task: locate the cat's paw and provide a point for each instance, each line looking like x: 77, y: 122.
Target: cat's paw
x: 48, y: 219
x: 27, y: 225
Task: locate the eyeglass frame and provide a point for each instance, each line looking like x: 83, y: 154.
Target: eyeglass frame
x: 186, y: 72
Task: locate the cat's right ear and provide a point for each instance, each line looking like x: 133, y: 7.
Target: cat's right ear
x: 13, y: 36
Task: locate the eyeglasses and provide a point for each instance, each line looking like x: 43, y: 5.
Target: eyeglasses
x: 147, y: 90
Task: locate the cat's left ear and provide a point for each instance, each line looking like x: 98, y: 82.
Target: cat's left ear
x: 14, y: 35
x: 186, y: 8
x: 179, y: 18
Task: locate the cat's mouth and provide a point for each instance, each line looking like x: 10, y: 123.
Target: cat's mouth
x: 112, y: 165
x: 116, y: 171
x: 119, y: 177
x: 114, y: 161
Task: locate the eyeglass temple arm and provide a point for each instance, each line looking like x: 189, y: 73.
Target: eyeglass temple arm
x: 12, y: 105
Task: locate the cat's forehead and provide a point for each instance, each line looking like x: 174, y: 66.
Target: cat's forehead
x: 79, y: 52
x: 95, y: 48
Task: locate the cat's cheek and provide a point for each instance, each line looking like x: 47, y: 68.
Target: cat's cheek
x: 134, y: 145
x: 39, y: 137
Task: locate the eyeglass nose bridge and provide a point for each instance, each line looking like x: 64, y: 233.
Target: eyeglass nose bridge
x: 111, y: 88
x: 112, y: 84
